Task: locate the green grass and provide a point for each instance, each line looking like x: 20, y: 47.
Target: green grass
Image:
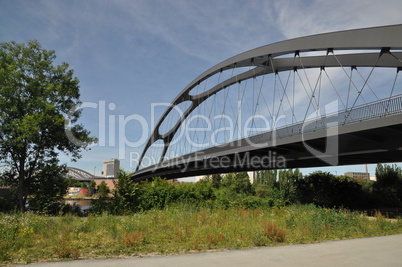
x: 28, y: 238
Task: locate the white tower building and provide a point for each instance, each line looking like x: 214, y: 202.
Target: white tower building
x: 111, y: 168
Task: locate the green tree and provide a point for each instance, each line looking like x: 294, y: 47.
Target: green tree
x: 36, y: 97
x: 388, y: 186
x: 326, y: 190
x: 8, y: 201
x: 156, y: 194
x: 388, y: 175
x: 215, y: 179
x: 195, y: 193
x: 238, y: 182
x: 287, y: 183
x: 71, y: 182
x: 261, y: 190
x: 47, y: 188
x: 267, y: 177
x: 92, y: 184
x: 126, y: 194
x: 103, y: 190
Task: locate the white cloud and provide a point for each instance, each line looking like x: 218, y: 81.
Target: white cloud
x: 210, y: 31
x: 300, y: 18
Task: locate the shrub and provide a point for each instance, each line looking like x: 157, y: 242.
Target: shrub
x: 103, y: 190
x: 126, y: 195
x: 238, y: 182
x: 254, y: 202
x: 273, y: 233
x: 261, y: 190
x: 132, y: 239
x: 156, y: 194
x: 198, y: 194
x: 388, y: 187
x: 326, y: 190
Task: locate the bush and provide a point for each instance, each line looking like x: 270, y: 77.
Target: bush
x: 237, y: 182
x: 8, y: 203
x: 156, y: 194
x: 254, y: 202
x: 326, y: 190
x: 261, y: 190
x: 388, y: 187
x: 198, y: 194
x: 273, y: 232
x: 103, y: 190
x: 126, y: 195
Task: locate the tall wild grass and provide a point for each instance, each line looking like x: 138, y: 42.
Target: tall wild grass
x: 26, y: 238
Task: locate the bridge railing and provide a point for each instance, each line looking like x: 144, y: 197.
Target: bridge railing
x: 373, y: 110
x: 383, y: 108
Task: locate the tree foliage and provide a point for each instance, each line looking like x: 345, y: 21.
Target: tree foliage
x: 388, y: 186
x: 36, y: 97
x: 214, y: 179
x: 327, y: 190
x: 125, y: 195
x: 103, y: 190
x: 47, y: 188
x: 235, y: 191
x: 287, y: 183
x: 267, y: 177
x: 239, y: 182
x: 388, y: 175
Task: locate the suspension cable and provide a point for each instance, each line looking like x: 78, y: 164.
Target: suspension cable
x: 223, y: 110
x: 333, y: 86
x: 365, y: 82
x: 394, y: 83
x: 350, y: 85
x: 318, y: 83
x: 392, y: 90
x: 258, y: 100
x: 361, y: 76
x: 284, y: 88
x: 308, y: 80
x: 198, y: 116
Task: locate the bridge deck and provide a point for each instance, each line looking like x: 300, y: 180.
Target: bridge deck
x: 372, y: 141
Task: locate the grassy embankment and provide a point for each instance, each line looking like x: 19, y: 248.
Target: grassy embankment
x: 27, y: 238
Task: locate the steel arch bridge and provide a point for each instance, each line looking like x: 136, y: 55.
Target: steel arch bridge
x: 79, y: 175
x: 327, y: 99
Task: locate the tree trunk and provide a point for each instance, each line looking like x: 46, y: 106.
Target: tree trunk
x: 21, y: 186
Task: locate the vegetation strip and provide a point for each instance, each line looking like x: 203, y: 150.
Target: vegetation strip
x: 28, y: 238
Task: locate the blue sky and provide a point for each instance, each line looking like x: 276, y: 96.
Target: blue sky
x: 130, y: 54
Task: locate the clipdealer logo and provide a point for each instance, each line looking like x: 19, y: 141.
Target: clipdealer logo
x: 112, y: 133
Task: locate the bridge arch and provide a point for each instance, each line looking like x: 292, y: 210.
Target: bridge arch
x: 370, y: 48
x: 79, y: 175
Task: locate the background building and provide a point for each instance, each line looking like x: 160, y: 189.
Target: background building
x: 111, y: 168
x: 359, y: 175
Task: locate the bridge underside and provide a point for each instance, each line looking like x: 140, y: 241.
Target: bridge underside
x: 374, y: 141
